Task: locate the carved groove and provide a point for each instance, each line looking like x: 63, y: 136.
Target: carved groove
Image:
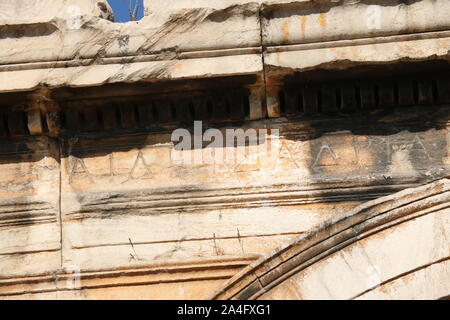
x: 357, y: 95
x: 130, y: 115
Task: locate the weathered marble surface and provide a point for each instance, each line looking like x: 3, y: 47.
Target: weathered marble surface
x: 99, y: 196
x: 177, y: 211
x: 29, y: 202
x: 16, y: 12
x: 124, y: 204
x: 177, y: 40
x: 312, y: 21
x: 376, y: 251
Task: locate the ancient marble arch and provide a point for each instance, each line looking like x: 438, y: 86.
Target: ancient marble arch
x: 345, y: 197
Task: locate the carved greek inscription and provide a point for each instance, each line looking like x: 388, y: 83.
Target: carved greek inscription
x: 79, y: 169
x: 116, y: 166
x: 325, y: 157
x: 28, y: 167
x: 279, y: 157
x: 139, y: 165
x: 401, y: 153
x: 400, y: 159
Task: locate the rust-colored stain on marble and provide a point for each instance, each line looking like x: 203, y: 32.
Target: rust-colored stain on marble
x: 286, y: 31
x: 407, y: 50
x: 322, y: 19
x: 176, y: 67
x: 303, y: 24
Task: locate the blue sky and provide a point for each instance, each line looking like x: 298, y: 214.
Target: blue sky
x: 120, y: 8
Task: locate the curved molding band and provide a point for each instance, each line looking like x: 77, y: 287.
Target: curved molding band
x: 358, y: 236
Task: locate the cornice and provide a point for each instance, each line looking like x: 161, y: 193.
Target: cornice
x: 158, y: 273
x: 223, y: 39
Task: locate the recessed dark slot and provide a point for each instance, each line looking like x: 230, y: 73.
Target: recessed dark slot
x: 328, y: 99
x: 319, y: 99
x: 405, y: 93
x: 200, y: 109
x: 436, y: 98
x: 210, y: 108
x: 90, y: 116
x: 348, y: 98
x: 44, y: 124
x: 137, y: 119
x: 6, y: 121
x: 82, y: 120
x: 338, y: 98
x: 444, y: 90
x: 386, y: 94
x: 73, y: 120
x: 227, y: 107
x: 291, y: 101
x: 139, y: 112
x: 310, y: 102
x: 238, y: 111
x: 183, y: 113
x: 116, y: 109
x: 416, y: 92
x: 17, y: 123
x: 191, y: 110
x: 377, y: 96
x: 358, y: 97
x: 220, y: 108
x: 142, y: 114
x: 164, y: 110
x: 282, y: 102
x: 127, y: 115
x: 368, y: 96
x: 174, y: 111
x: 301, y: 106
x: 155, y: 113
x: 425, y: 91
x: 24, y: 123
x: 109, y: 117
x: 148, y: 112
x: 396, y: 94
x: 246, y: 102
x: 100, y: 118
x: 3, y: 127
x: 63, y: 119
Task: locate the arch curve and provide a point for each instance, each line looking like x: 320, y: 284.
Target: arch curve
x: 393, y: 247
